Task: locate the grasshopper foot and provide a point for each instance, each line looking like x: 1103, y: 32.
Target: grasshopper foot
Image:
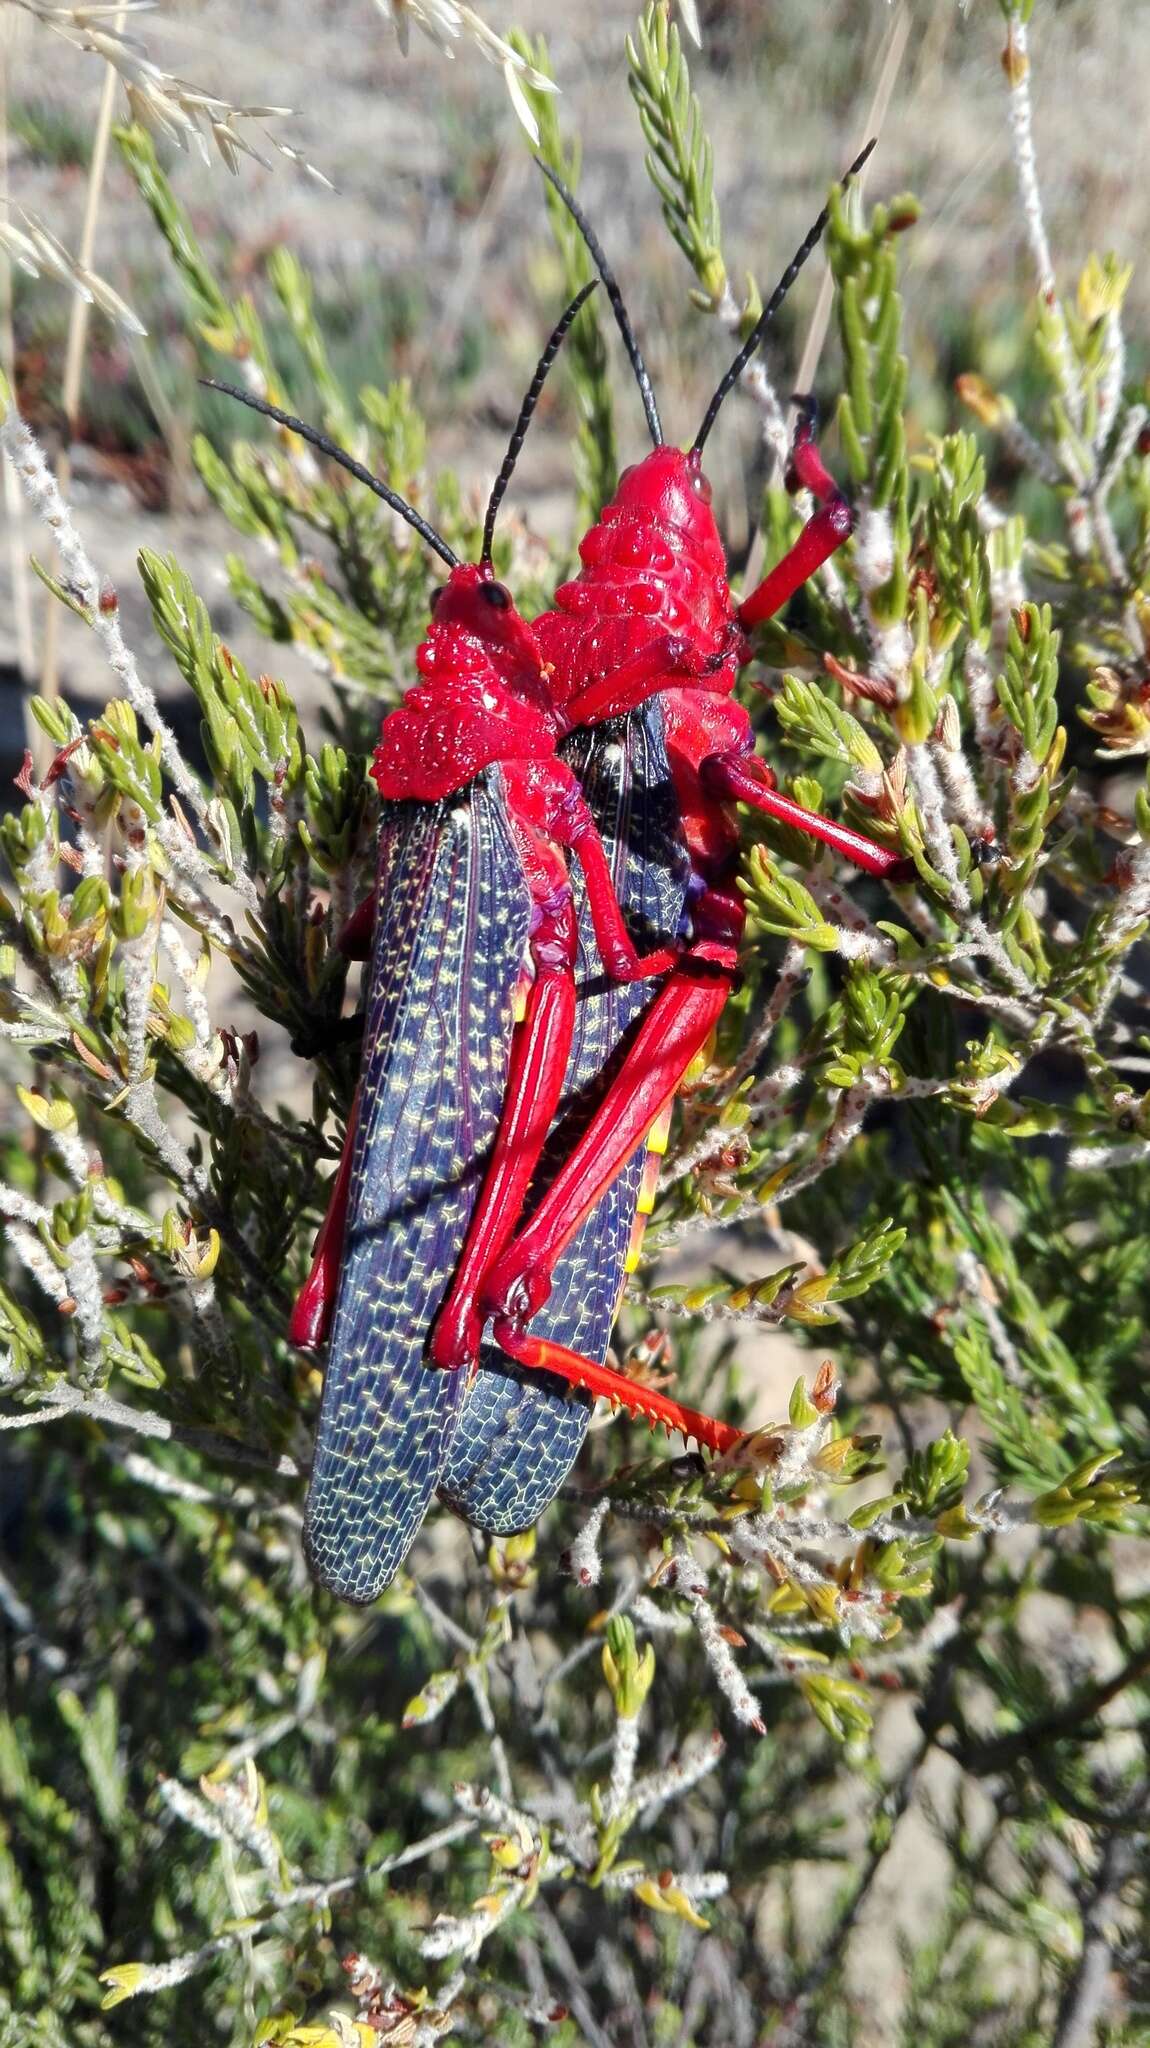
x: 513, y: 1296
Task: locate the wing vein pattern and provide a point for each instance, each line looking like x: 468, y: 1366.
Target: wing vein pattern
x: 450, y: 935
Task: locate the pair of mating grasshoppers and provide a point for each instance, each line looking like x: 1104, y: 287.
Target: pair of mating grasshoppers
x: 546, y: 788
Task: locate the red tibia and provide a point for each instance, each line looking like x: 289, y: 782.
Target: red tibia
x: 354, y: 940
x: 539, y: 1053
x: 807, y: 468
x: 541, y: 1356
x: 745, y: 779
x: 311, y: 1316
x: 674, y: 1030
x: 824, y: 532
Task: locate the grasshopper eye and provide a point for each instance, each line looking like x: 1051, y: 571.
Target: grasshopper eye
x: 497, y: 596
x: 701, y: 485
x: 439, y: 591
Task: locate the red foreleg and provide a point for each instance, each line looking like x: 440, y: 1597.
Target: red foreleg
x: 667, y: 660
x: 539, y: 1053
x: 311, y: 1316
x: 616, y: 950
x: 546, y: 800
x: 743, y: 778
x: 822, y: 535
x: 808, y: 471
x: 674, y: 1030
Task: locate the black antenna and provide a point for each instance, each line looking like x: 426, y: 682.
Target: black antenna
x: 525, y: 411
x: 346, y: 461
x: 751, y: 344
x: 610, y: 282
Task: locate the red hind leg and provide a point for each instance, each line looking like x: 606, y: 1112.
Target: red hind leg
x: 539, y: 1053
x: 311, y: 1316
x: 542, y: 802
x: 540, y: 1355
x: 675, y: 1029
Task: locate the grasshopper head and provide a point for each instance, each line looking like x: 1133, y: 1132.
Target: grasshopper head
x: 669, y: 491
x: 476, y: 628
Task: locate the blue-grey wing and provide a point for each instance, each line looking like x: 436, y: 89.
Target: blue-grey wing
x: 450, y: 936
x: 519, y: 1433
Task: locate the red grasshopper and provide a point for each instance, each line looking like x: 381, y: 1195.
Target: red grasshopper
x: 385, y: 1446
x: 471, y: 876
x: 651, y: 615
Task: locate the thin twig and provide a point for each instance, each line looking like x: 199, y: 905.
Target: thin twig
x: 43, y: 493
x: 1089, y: 1990
x: 101, y: 1407
x: 13, y: 503
x: 1037, y: 1735
x: 1034, y: 218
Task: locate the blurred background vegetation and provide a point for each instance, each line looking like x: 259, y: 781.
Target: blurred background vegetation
x: 429, y: 259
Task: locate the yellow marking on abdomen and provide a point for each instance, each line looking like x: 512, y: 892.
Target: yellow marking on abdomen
x: 658, y: 1139
x: 522, y: 990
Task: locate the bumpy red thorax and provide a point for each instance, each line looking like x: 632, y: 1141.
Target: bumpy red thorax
x: 484, y: 697
x: 653, y: 564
